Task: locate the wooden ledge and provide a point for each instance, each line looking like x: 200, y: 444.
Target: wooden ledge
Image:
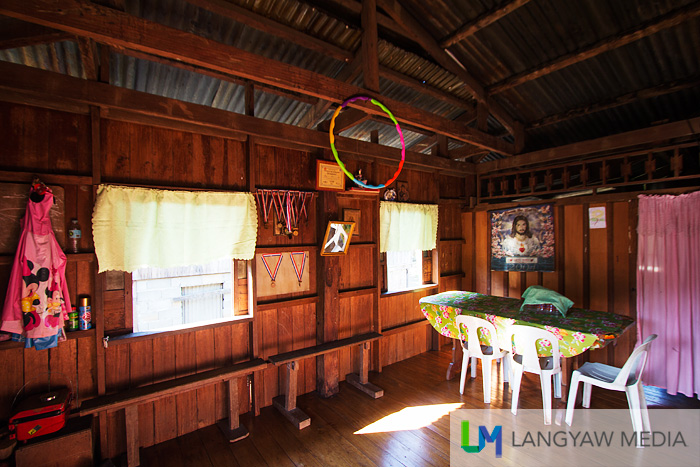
x: 152, y: 392
x: 281, y: 359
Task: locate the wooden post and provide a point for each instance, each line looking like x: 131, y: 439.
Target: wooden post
x: 132, y: 434
x: 361, y: 381
x: 328, y: 312
x: 287, y: 403
x: 232, y: 429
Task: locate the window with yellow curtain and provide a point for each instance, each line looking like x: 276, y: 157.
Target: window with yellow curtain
x: 406, y: 231
x: 181, y: 248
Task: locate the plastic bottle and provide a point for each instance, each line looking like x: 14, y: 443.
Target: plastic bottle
x: 74, y: 235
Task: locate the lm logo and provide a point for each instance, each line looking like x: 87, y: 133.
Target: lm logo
x: 484, y: 437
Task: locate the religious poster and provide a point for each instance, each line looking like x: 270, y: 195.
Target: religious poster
x: 522, y: 239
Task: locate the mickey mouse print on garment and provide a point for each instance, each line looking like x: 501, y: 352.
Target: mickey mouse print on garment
x: 37, y: 300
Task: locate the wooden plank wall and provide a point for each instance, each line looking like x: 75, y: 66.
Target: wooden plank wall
x: 595, y: 267
x: 38, y: 140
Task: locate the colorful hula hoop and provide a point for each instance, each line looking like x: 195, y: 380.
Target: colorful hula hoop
x: 335, y: 152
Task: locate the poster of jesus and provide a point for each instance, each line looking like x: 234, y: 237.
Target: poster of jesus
x: 522, y: 239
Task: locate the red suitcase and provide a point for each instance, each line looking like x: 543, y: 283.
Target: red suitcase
x: 40, y: 415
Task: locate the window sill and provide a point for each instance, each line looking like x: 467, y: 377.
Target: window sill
x: 415, y: 289
x: 130, y: 337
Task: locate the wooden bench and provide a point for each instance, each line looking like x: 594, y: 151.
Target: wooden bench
x: 129, y: 400
x: 287, y: 403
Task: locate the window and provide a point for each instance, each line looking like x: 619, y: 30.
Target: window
x: 174, y: 298
x: 404, y: 270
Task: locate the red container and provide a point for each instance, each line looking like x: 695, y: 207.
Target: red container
x: 40, y: 415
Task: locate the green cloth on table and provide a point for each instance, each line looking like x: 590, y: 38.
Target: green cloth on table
x: 538, y: 295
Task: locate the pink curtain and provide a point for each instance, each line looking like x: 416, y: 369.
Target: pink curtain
x: 668, y: 290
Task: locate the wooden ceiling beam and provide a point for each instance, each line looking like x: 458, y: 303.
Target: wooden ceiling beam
x: 669, y: 20
x: 146, y: 108
x: 351, y: 71
x: 414, y: 31
x: 220, y: 76
x: 15, y: 34
x: 416, y: 85
x: 121, y: 30
x: 268, y: 26
x: 346, y: 119
x: 370, y: 40
x: 636, y: 138
x: 481, y: 22
x: 648, y: 93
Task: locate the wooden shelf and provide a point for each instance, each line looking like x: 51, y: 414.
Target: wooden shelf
x: 4, y: 345
x: 80, y: 257
x: 360, y: 193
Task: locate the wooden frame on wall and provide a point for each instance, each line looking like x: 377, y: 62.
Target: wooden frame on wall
x: 353, y: 215
x: 337, y: 238
x: 329, y: 176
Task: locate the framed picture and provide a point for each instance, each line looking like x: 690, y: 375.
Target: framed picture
x: 353, y: 215
x: 329, y: 176
x: 337, y: 238
x: 522, y: 239
x: 402, y: 191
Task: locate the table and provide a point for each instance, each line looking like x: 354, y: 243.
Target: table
x: 579, y: 331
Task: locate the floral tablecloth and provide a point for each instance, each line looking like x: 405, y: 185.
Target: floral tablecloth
x: 579, y: 331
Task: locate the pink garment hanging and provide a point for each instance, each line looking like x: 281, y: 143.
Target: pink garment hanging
x: 37, y: 300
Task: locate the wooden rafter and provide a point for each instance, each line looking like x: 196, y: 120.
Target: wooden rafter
x: 414, y: 31
x: 648, y: 93
x: 121, y: 30
x: 319, y: 109
x: 370, y: 39
x: 481, y: 22
x: 345, y: 120
x: 636, y: 138
x: 266, y: 25
x: 669, y: 20
x: 15, y: 34
x: 404, y: 80
x: 220, y: 76
x: 88, y: 57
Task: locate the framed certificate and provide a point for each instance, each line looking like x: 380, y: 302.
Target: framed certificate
x: 329, y: 176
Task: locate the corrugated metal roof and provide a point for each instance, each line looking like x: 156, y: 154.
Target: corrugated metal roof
x: 529, y: 37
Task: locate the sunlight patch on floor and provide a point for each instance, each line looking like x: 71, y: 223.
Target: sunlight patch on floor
x: 410, y: 418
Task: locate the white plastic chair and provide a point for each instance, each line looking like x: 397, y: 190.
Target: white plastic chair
x: 472, y: 348
x: 627, y: 378
x: 525, y: 341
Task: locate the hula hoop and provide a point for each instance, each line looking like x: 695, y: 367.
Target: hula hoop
x: 335, y: 152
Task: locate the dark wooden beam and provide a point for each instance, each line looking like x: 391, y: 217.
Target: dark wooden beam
x: 88, y: 57
x: 481, y: 22
x: 319, y: 109
x: 268, y: 26
x: 416, y: 85
x: 346, y: 119
x: 648, y: 93
x: 416, y: 32
x: 636, y: 138
x: 370, y: 59
x: 46, y: 86
x: 15, y: 34
x: 425, y: 143
x: 121, y: 30
x: 669, y: 20
x: 214, y: 74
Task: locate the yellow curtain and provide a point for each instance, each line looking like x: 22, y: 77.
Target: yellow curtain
x: 407, y: 227
x: 141, y: 227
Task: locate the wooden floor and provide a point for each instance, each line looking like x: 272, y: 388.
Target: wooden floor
x: 330, y: 440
